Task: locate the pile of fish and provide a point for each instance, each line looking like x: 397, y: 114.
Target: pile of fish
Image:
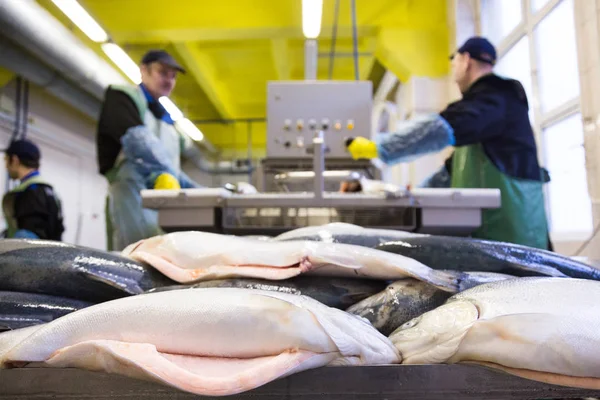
x: 217, y: 315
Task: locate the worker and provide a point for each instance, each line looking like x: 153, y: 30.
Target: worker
x: 32, y: 210
x: 139, y: 147
x: 494, y: 146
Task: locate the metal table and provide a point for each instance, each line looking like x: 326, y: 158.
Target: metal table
x: 405, y: 382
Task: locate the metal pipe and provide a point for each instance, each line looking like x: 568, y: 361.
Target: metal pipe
x: 319, y: 164
x: 15, y: 59
x: 355, y: 40
x: 310, y: 59
x: 333, y: 38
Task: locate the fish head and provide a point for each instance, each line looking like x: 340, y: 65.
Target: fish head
x: 434, y: 336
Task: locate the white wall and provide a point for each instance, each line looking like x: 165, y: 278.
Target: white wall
x: 66, y: 140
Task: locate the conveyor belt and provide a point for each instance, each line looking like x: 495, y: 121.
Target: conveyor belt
x: 426, y: 382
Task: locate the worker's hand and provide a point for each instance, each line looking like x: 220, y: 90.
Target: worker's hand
x: 361, y: 148
x: 166, y: 182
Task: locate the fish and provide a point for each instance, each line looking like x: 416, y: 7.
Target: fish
x: 341, y: 232
x: 20, y: 310
x: 540, y: 328
x: 467, y: 254
x: 406, y: 299
x: 192, y: 256
x: 65, y: 270
x: 338, y: 293
x: 213, y: 341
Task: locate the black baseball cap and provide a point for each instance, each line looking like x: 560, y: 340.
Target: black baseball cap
x: 24, y: 149
x: 479, y: 49
x: 162, y: 57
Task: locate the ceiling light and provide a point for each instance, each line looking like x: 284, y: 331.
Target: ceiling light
x: 171, y: 108
x: 122, y: 60
x: 82, y: 19
x: 190, y: 129
x: 312, y: 11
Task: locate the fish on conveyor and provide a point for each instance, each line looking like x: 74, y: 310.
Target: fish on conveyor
x: 214, y: 341
x: 466, y: 254
x: 198, y: 256
x: 341, y: 232
x: 333, y: 292
x: 60, y: 269
x: 545, y: 329
x: 20, y: 310
x: 406, y: 299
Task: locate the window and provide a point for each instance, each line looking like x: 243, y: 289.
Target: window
x: 515, y: 64
x: 537, y: 5
x: 556, y: 53
x: 570, y: 207
x: 499, y: 18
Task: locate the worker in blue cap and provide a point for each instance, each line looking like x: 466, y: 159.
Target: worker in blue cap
x: 494, y: 146
x: 32, y: 210
x: 139, y: 147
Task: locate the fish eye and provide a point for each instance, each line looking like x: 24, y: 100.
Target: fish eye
x: 410, y: 323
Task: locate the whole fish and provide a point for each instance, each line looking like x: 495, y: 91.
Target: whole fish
x: 545, y: 329
x: 213, y: 342
x: 60, y: 269
x: 340, y: 232
x: 465, y: 254
x: 198, y: 256
x: 19, y: 310
x: 406, y: 299
x: 333, y: 292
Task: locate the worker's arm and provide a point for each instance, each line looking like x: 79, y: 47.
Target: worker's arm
x: 31, y: 212
x: 471, y: 119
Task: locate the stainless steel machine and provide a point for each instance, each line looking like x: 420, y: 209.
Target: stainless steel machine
x: 308, y: 123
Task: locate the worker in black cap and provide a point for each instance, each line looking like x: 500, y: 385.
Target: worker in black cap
x: 494, y: 146
x: 32, y: 210
x: 139, y: 148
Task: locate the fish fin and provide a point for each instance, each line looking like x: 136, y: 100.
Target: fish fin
x: 125, y: 287
x: 545, y: 377
x: 209, y: 376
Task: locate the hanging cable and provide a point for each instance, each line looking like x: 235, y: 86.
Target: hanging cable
x: 355, y: 40
x: 25, y: 113
x: 333, y: 38
x: 19, y: 88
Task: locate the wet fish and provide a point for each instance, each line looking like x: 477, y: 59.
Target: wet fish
x: 20, y: 310
x: 213, y: 342
x: 333, y: 292
x: 406, y: 299
x: 545, y: 329
x: 340, y: 232
x: 465, y: 254
x: 198, y: 256
x: 60, y: 269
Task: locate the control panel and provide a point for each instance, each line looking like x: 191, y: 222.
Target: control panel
x: 296, y: 110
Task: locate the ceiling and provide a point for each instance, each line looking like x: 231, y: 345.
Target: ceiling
x: 231, y: 48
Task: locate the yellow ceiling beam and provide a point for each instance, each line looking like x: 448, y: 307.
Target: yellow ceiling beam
x: 204, y: 70
x: 5, y: 76
x: 281, y: 58
x: 365, y: 64
x: 225, y: 34
x: 408, y: 52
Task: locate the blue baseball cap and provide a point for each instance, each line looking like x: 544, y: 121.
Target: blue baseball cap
x: 24, y: 149
x: 479, y: 49
x: 161, y: 56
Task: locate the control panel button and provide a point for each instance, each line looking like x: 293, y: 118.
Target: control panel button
x: 312, y: 124
x: 287, y: 124
x: 300, y: 124
x: 287, y: 144
x: 325, y: 124
x: 350, y: 124
x: 338, y: 125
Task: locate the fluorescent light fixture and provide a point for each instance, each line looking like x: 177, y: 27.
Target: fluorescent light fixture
x: 122, y: 60
x: 312, y: 12
x: 171, y: 108
x: 83, y: 20
x: 190, y: 129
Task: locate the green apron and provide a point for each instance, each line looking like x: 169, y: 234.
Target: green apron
x: 8, y: 203
x: 521, y: 219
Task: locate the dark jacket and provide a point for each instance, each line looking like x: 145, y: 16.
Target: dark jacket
x: 494, y: 112
x: 37, y: 210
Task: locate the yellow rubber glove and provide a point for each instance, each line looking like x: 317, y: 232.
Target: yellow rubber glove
x: 166, y: 182
x: 362, y: 148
